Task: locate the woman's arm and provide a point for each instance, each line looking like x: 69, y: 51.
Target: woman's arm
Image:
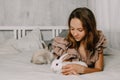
x: 79, y: 69
x: 98, y: 65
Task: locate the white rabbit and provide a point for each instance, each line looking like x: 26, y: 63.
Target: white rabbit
x: 57, y: 64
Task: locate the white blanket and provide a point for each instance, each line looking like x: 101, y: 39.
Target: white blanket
x: 15, y: 63
x: 17, y: 66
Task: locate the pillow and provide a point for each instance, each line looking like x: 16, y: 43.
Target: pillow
x: 31, y: 42
x: 7, y: 49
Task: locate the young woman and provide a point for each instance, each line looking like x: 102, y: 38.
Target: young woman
x: 85, y: 39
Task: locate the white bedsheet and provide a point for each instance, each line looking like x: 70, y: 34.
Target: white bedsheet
x: 17, y: 66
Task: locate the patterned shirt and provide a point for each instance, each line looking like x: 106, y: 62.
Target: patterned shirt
x: 61, y: 46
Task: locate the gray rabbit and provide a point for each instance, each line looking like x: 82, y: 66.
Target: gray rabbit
x: 43, y: 56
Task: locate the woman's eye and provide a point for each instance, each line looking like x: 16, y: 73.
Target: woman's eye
x: 80, y: 30
x: 71, y: 29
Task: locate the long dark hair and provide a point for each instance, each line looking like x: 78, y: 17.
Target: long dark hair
x: 87, y: 18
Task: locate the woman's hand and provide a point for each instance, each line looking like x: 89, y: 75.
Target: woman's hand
x: 72, y: 69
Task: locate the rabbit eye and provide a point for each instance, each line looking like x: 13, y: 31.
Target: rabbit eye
x: 56, y: 64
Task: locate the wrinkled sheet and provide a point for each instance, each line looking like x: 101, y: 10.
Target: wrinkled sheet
x: 17, y: 66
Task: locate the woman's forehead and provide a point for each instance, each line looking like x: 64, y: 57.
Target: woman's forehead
x: 75, y: 23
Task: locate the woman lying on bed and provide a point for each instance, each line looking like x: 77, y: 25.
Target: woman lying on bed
x: 85, y: 39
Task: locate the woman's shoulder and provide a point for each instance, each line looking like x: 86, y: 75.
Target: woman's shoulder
x: 102, y: 39
x: 60, y: 40
x: 101, y: 44
x: 100, y: 33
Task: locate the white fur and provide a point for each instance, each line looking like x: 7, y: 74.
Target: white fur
x: 57, y: 64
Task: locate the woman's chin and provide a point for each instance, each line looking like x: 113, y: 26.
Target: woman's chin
x: 77, y: 39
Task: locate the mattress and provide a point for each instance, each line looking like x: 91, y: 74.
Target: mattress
x: 16, y: 54
x: 17, y: 66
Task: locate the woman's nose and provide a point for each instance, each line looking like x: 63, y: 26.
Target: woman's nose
x: 75, y: 33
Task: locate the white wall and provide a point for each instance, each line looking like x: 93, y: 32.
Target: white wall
x: 37, y: 12
x: 107, y: 13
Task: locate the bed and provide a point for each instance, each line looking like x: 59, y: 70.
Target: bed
x: 16, y: 53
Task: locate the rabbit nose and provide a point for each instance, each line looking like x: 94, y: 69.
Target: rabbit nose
x: 56, y: 64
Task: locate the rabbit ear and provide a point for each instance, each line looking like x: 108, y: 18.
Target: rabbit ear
x: 62, y: 58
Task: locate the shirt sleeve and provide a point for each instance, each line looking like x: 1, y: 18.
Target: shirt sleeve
x: 101, y: 43
x: 59, y: 45
x: 100, y: 46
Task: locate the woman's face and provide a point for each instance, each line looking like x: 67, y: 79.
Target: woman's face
x: 77, y: 29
